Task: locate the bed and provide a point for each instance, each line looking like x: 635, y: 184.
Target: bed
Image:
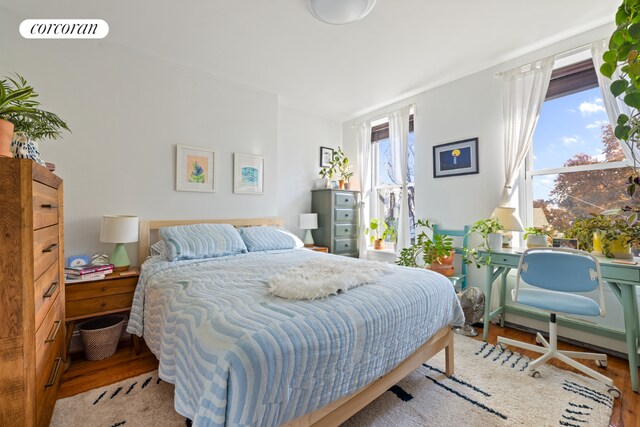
x: 238, y: 355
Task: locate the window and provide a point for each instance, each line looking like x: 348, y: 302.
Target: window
x: 576, y: 166
x: 388, y: 192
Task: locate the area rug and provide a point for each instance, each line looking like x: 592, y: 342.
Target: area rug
x: 490, y: 388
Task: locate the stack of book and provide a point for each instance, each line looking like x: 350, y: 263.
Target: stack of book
x: 88, y: 272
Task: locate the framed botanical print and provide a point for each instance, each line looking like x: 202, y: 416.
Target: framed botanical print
x: 326, y: 155
x: 195, y: 169
x: 248, y: 174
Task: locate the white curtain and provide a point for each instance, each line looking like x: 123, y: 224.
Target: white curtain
x: 613, y: 105
x: 365, y: 164
x: 399, y: 142
x: 525, y: 89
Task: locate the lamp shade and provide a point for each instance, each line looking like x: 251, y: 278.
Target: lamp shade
x: 508, y: 218
x: 308, y: 221
x: 339, y: 12
x: 119, y: 229
x: 539, y: 218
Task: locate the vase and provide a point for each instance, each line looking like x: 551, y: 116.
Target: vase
x: 23, y: 147
x: 494, y: 241
x: 536, y: 241
x: 6, y: 133
x: 341, y: 184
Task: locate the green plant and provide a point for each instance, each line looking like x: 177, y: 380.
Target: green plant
x: 582, y: 230
x: 381, y: 233
x: 19, y: 106
x: 432, y: 249
x: 327, y: 172
x: 483, y: 227
x: 613, y: 225
x: 341, y: 163
x: 622, y: 60
x: 535, y: 231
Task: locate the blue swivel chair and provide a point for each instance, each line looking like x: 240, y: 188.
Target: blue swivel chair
x: 555, y: 275
x: 458, y: 280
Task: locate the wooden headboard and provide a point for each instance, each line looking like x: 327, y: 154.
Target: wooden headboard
x: 148, y: 227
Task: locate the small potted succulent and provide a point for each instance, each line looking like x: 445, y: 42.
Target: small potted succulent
x: 536, y: 237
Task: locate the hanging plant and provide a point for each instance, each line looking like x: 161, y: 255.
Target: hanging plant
x: 622, y: 65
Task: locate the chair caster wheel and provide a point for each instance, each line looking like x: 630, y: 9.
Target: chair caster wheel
x: 534, y: 374
x: 538, y: 340
x: 614, y: 392
x: 601, y: 363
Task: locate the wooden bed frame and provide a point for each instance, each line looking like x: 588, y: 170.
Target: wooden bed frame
x: 337, y: 412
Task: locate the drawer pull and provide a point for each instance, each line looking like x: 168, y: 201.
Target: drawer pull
x: 103, y: 289
x: 346, y: 245
x: 52, y: 380
x: 55, y: 331
x: 51, y: 290
x: 346, y: 200
x: 104, y: 304
x: 346, y: 230
x: 49, y: 206
x: 50, y: 248
x: 346, y: 215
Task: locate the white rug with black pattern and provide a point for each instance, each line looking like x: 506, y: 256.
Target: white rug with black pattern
x: 490, y: 388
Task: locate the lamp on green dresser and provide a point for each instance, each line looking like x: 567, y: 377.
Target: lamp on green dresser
x: 119, y: 229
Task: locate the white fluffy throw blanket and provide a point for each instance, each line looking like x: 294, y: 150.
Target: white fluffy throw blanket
x: 323, y: 277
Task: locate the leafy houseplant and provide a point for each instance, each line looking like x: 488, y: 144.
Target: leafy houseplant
x: 611, y: 233
x: 341, y: 163
x: 437, y: 252
x: 487, y: 229
x: 622, y: 60
x: 20, y: 112
x: 379, y: 234
x: 536, y: 237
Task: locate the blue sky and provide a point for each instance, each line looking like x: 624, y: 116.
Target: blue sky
x: 567, y: 126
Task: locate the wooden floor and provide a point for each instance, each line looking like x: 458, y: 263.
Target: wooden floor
x: 83, y: 375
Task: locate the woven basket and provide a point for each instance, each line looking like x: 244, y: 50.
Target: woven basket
x: 100, y: 336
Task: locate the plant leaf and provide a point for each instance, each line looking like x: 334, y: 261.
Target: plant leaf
x: 633, y: 99
x: 618, y: 87
x: 607, y: 70
x: 634, y: 31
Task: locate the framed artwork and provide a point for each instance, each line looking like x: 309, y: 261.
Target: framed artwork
x: 195, y: 169
x: 455, y: 158
x: 565, y: 243
x: 248, y: 174
x: 326, y: 155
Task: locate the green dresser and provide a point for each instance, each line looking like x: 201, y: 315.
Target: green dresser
x: 337, y: 220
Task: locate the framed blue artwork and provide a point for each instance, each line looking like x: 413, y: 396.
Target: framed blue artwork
x: 455, y: 158
x: 248, y: 174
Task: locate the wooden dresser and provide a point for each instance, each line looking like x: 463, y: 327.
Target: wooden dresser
x: 338, y: 227
x: 31, y: 292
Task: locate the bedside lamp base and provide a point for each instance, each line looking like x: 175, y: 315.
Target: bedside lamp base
x: 308, y: 239
x: 119, y: 258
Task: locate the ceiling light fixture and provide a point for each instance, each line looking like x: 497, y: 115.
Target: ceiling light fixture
x: 338, y: 12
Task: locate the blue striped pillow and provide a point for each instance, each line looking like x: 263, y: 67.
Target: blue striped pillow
x: 201, y: 241
x: 268, y: 238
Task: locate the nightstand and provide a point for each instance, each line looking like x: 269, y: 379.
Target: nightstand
x: 90, y: 298
x: 317, y: 248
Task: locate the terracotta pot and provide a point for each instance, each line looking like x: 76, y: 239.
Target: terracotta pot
x: 378, y: 244
x: 347, y: 186
x: 341, y: 184
x: 6, y: 133
x: 444, y: 265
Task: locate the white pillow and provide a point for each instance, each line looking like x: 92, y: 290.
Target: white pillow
x: 158, y: 249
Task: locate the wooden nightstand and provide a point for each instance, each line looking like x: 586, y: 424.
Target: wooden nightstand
x: 317, y: 248
x: 113, y: 294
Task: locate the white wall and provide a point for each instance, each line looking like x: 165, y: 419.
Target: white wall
x: 300, y: 136
x: 127, y: 112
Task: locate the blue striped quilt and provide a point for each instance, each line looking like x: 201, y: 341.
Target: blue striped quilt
x: 239, y: 356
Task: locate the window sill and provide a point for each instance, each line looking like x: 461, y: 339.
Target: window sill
x: 385, y: 255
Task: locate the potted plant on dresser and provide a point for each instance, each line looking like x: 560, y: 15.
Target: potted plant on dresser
x: 22, y: 121
x: 437, y: 252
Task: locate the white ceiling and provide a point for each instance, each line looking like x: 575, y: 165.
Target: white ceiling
x: 334, y: 71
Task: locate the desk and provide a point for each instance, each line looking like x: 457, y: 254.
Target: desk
x: 621, y: 278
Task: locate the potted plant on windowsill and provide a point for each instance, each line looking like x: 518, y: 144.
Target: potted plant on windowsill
x: 536, y: 237
x: 437, y: 252
x: 489, y: 229
x: 22, y: 121
x: 379, y: 233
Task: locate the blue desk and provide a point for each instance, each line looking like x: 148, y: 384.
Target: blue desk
x: 621, y: 278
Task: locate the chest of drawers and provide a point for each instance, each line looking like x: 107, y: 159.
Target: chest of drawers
x: 337, y: 220
x: 31, y: 292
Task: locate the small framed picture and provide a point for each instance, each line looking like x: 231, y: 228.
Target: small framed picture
x: 326, y: 155
x: 248, y: 174
x: 77, y: 260
x: 455, y: 158
x: 195, y: 169
x: 565, y: 243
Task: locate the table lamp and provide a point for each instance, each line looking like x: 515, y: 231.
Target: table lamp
x: 119, y: 229
x: 510, y: 221
x: 308, y: 222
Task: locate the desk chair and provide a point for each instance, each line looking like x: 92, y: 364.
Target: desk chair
x: 555, y: 275
x: 458, y: 279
